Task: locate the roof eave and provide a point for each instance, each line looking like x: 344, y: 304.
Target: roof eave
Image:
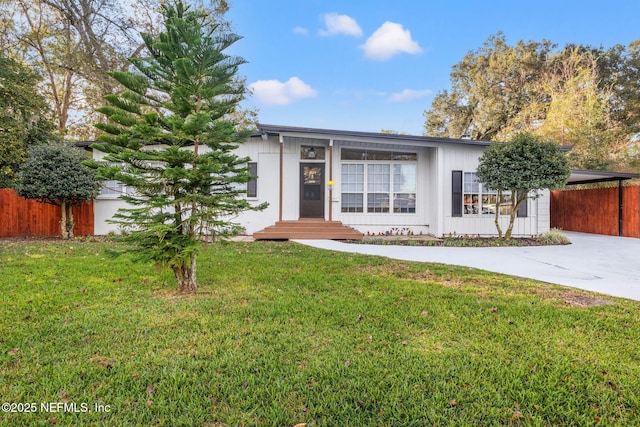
x: 593, y: 177
x: 277, y: 130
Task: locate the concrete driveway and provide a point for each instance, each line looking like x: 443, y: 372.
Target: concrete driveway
x: 604, y: 264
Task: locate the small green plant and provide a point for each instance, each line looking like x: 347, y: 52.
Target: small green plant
x: 466, y: 240
x: 554, y: 237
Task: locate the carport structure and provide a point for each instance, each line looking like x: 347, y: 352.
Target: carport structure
x: 613, y: 211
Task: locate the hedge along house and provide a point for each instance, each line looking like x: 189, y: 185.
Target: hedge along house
x: 335, y: 184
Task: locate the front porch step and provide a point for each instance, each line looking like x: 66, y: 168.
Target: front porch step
x: 306, y: 229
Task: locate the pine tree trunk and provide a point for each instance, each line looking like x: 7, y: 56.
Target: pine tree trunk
x: 186, y: 276
x: 63, y: 220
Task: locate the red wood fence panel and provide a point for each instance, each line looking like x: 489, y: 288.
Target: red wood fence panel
x: 596, y: 210
x: 29, y: 218
x: 631, y: 212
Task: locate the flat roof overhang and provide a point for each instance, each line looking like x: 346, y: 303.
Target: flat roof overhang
x: 266, y: 129
x: 592, y: 177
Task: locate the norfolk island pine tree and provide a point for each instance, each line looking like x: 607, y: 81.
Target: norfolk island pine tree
x: 171, y: 137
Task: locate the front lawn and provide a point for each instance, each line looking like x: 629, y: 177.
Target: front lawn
x: 283, y: 334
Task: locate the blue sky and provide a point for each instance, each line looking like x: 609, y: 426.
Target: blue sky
x: 368, y: 65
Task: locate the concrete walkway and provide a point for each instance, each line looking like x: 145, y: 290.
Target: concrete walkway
x: 604, y: 264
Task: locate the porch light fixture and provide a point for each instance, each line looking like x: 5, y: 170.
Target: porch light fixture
x: 311, y: 154
x: 330, y: 184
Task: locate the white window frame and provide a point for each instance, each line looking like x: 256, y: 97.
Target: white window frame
x: 368, y: 187
x: 481, y: 205
x: 115, y: 189
x: 352, y: 188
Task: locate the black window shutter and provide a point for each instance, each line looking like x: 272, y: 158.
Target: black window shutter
x: 456, y: 193
x: 522, y: 210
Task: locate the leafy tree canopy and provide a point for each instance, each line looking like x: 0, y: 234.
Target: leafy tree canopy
x: 489, y: 86
x: 523, y: 166
x: 55, y: 173
x: 24, y: 117
x: 171, y: 136
x: 580, y: 96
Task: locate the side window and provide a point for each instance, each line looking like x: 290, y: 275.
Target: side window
x: 112, y: 189
x: 252, y: 185
x: 471, y: 198
x: 471, y: 194
x: 522, y: 212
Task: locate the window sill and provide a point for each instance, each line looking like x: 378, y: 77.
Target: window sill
x: 379, y: 213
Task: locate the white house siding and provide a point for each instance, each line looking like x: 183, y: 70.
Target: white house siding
x: 104, y: 209
x: 105, y: 206
x: 266, y: 153
x: 465, y: 158
x: 418, y: 222
x: 435, y: 163
x: 267, y: 156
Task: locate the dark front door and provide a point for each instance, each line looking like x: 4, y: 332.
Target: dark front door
x: 311, y: 190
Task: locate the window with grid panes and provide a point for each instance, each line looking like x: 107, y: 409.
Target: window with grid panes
x: 352, y: 188
x: 382, y: 182
x: 479, y: 200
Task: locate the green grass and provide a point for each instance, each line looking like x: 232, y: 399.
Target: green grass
x: 284, y: 334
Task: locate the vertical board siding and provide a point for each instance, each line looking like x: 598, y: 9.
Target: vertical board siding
x: 631, y: 212
x: 29, y: 218
x: 83, y: 216
x: 596, y: 211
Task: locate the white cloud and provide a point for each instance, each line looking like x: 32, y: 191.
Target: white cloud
x: 408, y: 95
x: 300, y: 30
x: 340, y: 24
x: 275, y: 92
x: 389, y: 40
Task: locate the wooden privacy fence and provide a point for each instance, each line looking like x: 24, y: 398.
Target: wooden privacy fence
x: 614, y: 211
x: 29, y: 218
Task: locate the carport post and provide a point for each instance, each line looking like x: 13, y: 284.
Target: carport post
x: 620, y: 207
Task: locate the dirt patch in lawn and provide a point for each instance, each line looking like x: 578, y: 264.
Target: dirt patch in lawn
x: 546, y: 292
x: 583, y: 300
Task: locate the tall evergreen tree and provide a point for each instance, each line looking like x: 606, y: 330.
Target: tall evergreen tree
x: 171, y: 137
